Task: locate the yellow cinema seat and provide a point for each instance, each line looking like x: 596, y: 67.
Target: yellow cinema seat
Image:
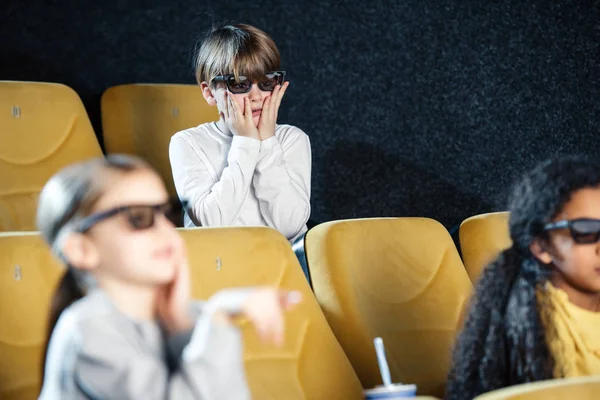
x: 312, y: 364
x: 581, y: 388
x: 43, y: 127
x: 28, y: 277
x: 398, y: 278
x: 140, y: 119
x: 482, y: 238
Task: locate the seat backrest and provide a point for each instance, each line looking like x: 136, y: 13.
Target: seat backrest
x: 311, y: 364
x: 28, y: 277
x: 482, y: 238
x: 43, y: 127
x: 581, y: 388
x: 140, y: 119
x: 397, y: 278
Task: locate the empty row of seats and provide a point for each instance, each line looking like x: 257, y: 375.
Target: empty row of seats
x: 46, y: 127
x: 398, y: 278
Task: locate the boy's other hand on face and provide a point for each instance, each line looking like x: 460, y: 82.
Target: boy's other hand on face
x: 239, y: 121
x: 270, y: 110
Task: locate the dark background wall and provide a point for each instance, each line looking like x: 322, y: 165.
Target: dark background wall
x: 414, y: 107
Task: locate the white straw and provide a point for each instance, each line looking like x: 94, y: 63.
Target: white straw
x: 384, y: 369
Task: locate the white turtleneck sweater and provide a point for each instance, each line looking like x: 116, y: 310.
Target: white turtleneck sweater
x: 239, y: 181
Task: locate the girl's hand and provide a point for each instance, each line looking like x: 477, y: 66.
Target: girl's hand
x: 239, y: 121
x: 173, y: 300
x: 264, y: 308
x: 270, y: 110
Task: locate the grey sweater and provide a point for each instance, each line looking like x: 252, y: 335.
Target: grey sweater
x: 97, y: 352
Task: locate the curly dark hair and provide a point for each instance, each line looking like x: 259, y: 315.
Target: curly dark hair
x: 504, y: 341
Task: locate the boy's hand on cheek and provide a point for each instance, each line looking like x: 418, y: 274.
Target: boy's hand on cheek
x: 270, y: 110
x: 239, y: 121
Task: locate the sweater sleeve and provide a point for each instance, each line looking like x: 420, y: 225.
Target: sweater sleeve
x: 210, y: 362
x: 213, y: 202
x: 282, y: 182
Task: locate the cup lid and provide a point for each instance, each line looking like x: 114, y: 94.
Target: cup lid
x: 395, y: 388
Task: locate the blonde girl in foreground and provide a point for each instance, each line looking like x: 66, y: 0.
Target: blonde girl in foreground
x: 122, y: 324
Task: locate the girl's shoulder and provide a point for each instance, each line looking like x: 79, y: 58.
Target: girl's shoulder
x: 92, y: 313
x: 69, y: 334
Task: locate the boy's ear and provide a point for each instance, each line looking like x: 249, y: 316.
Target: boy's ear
x: 81, y: 252
x: 208, y: 94
x: 539, y: 249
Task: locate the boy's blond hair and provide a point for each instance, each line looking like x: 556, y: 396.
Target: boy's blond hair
x: 236, y: 49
